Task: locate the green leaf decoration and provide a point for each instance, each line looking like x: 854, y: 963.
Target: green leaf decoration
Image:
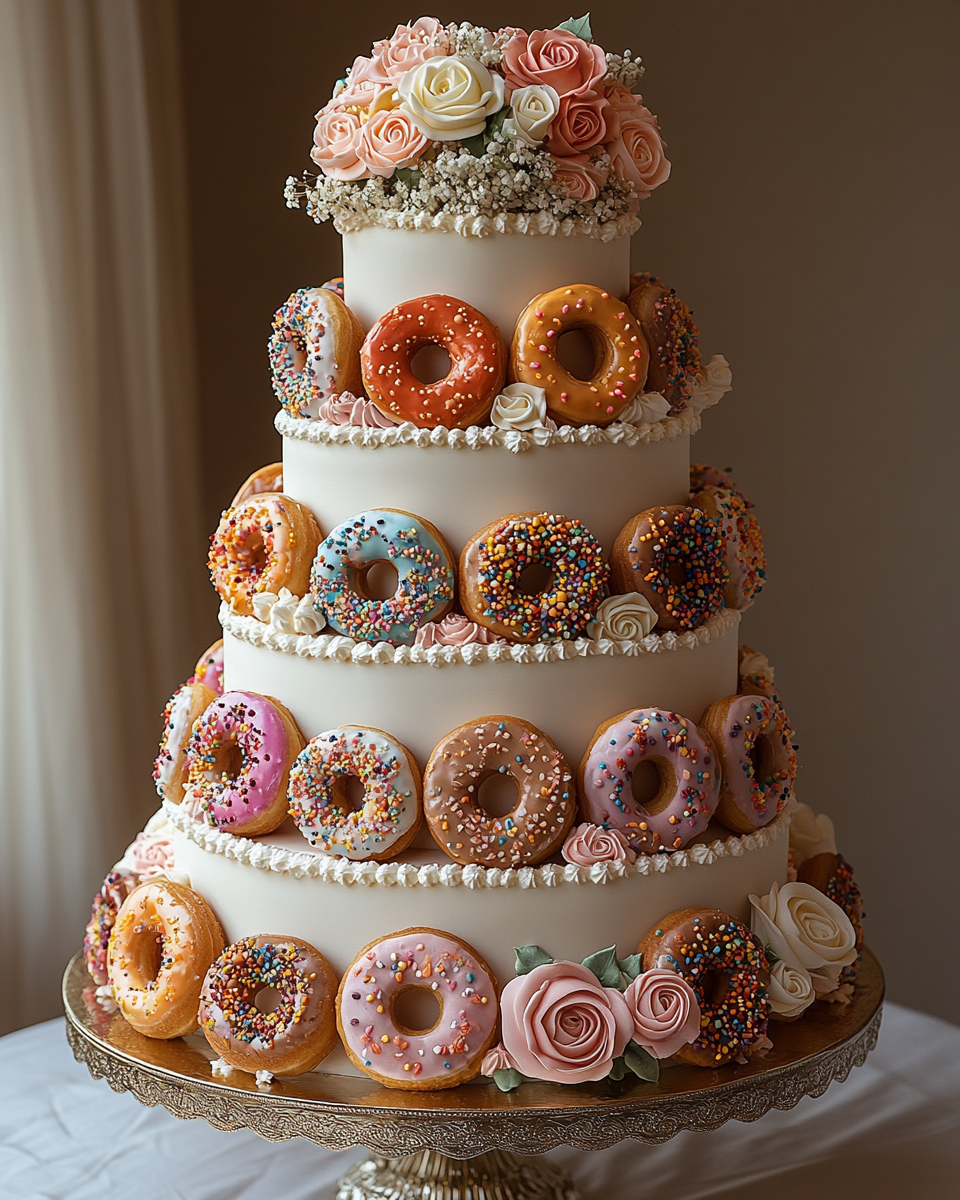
x: 529, y: 957
x: 630, y: 966
x: 408, y: 176
x: 772, y: 957
x: 604, y: 965
x: 495, y: 123
x: 474, y: 145
x: 618, y: 1070
x: 642, y: 1064
x: 579, y: 27
x: 507, y: 1079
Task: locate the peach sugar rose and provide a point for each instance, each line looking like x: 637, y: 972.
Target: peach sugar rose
x: 389, y: 140
x: 554, y: 57
x: 588, y: 844
x: 336, y: 142
x: 637, y: 153
x: 579, y: 176
x: 410, y: 46
x: 583, y: 121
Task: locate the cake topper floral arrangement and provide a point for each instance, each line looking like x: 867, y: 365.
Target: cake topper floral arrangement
x: 455, y: 122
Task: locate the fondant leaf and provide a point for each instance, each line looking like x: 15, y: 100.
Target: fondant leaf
x: 618, y: 1070
x: 641, y: 1063
x: 474, y: 145
x: 529, y: 957
x: 772, y: 956
x: 604, y: 965
x: 507, y: 1079
x: 630, y: 966
x: 407, y: 175
x: 578, y: 26
x: 495, y: 123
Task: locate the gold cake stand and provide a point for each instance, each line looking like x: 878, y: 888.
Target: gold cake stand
x: 472, y: 1142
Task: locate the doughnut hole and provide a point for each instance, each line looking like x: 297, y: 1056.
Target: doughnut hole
x: 676, y: 572
x: 415, y: 1010
x: 377, y: 581
x: 498, y: 794
x: 349, y: 792
x: 535, y: 580
x: 227, y: 762
x: 267, y: 1000
x: 148, y: 949
x: 431, y: 363
x: 584, y: 352
x: 714, y: 986
x: 652, y: 785
x: 296, y: 355
x: 762, y: 756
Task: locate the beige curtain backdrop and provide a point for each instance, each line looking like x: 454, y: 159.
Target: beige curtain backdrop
x: 101, y: 559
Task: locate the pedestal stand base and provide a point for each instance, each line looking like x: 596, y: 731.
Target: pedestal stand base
x: 431, y: 1176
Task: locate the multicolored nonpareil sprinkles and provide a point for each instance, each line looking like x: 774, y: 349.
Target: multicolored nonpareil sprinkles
x: 674, y: 342
x: 302, y: 366
x: 233, y: 982
x: 106, y: 904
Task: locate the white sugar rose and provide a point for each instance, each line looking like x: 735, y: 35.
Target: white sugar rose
x: 645, y: 409
x: 623, y: 619
x: 790, y: 989
x: 805, y: 929
x: 713, y: 382
x: 810, y: 834
x: 520, y: 406
x: 450, y: 98
x: 533, y: 109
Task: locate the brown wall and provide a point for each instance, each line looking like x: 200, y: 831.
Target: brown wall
x: 811, y: 224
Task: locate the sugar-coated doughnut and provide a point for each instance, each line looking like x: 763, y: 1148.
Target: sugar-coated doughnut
x: 388, y: 817
x: 264, y: 544
x: 674, y: 557
x: 689, y: 779
x: 288, y: 1039
x: 491, y: 577
x: 672, y: 337
x: 758, y: 765
x: 472, y: 753
x: 725, y: 965
x: 186, y: 704
x: 425, y: 576
x: 106, y: 904
x: 264, y: 479
x: 164, y: 939
x: 619, y: 352
x: 314, y: 350
x: 238, y: 762
x: 377, y: 1042
x: 833, y: 875
x: 742, y: 541
x: 478, y: 363
x: 209, y: 668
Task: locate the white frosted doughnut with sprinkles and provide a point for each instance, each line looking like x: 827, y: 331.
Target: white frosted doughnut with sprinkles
x: 186, y: 704
x: 314, y: 351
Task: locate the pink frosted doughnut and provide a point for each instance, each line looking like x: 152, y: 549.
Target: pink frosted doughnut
x: 689, y: 780
x: 758, y: 764
x: 423, y: 1060
x: 106, y: 904
x: 238, y: 762
x: 742, y: 541
x: 209, y: 668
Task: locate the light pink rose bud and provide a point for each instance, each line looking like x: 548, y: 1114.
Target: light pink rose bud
x: 148, y: 855
x: 348, y: 409
x: 335, y: 143
x: 589, y: 844
x: 454, y: 630
x: 496, y: 1059
x: 665, y: 1012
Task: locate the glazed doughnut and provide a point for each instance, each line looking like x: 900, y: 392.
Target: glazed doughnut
x: 265, y: 544
x: 389, y: 816
x: 491, y: 577
x: 689, y: 783
x: 672, y: 338
x: 170, y: 766
x: 833, y: 875
x: 424, y: 566
x: 459, y: 765
x: 238, y: 762
x: 619, y: 351
x: 379, y: 1043
x: 754, y: 673
x: 758, y: 765
x: 164, y: 939
x: 674, y: 557
x: 106, y: 904
x: 478, y: 363
x: 743, y: 544
x: 725, y: 965
x: 265, y: 479
x: 209, y: 668
x: 292, y: 1038
x: 314, y: 350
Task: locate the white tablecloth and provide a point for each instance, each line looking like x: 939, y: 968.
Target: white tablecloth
x: 892, y: 1130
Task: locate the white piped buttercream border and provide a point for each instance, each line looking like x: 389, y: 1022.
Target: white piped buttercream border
x: 541, y: 224
x: 345, y: 649
x: 301, y: 864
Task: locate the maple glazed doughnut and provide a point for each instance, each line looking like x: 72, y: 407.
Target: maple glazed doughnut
x: 689, y: 779
x: 478, y: 363
x: 468, y: 756
x: 264, y: 479
x: 725, y: 965
x: 619, y: 350
x: 742, y: 541
x: 674, y: 557
x: 672, y: 337
x: 209, y: 668
x: 758, y: 765
x: 491, y: 577
x: 238, y: 762
x: 314, y: 350
x: 186, y: 704
x: 389, y: 816
x: 289, y: 1039
x: 380, y: 1044
x: 262, y: 545
x: 164, y: 939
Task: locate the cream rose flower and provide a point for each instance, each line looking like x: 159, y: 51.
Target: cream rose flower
x: 805, y: 929
x: 645, y: 409
x: 450, y: 98
x: 790, y: 989
x: 533, y: 108
x: 626, y: 618
x: 520, y: 406
x: 389, y: 140
x: 712, y: 384
x: 810, y: 834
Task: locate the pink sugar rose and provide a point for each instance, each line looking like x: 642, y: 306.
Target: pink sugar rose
x: 589, y: 844
x: 560, y: 1024
x: 665, y: 1012
x: 496, y: 1059
x: 584, y: 121
x: 359, y: 90
x: 410, y: 46
x: 454, y: 630
x: 389, y: 140
x: 567, y: 63
x: 348, y: 409
x: 579, y: 176
x: 336, y: 141
x: 623, y: 102
x: 637, y: 154
x: 148, y: 855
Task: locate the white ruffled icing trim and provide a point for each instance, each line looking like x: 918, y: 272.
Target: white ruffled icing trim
x: 541, y: 224
x: 482, y: 437
x: 301, y: 864
x: 344, y: 649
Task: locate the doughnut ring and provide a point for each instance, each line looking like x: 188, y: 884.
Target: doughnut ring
x: 186, y: 704
x: 459, y: 765
x: 209, y: 668
x: 164, y: 938
x: 492, y: 566
x: 388, y: 1051
x: 833, y: 875
x: 106, y: 904
x: 758, y: 764
x: 314, y: 350
x: 424, y: 566
x: 672, y: 337
x: 296, y: 1035
x: 265, y: 479
x: 620, y: 354
x: 702, y: 476
x: 264, y: 544
x: 689, y: 779
x: 743, y: 543
x: 390, y: 814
